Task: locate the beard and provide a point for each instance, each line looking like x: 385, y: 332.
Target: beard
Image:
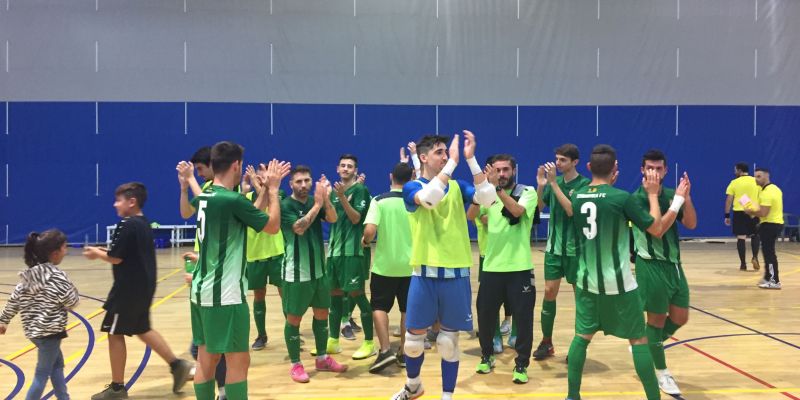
x: 507, y: 183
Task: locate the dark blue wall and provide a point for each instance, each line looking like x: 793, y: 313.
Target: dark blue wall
x: 52, y: 149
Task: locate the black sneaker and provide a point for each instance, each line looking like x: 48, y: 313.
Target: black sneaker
x: 110, y: 393
x: 347, y: 332
x: 543, y: 351
x: 354, y: 325
x: 180, y: 374
x: 382, y: 361
x: 260, y: 343
x: 401, y: 360
x: 743, y: 267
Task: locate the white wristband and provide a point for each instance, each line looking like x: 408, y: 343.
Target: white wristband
x: 473, y: 166
x: 449, y: 167
x: 677, y: 203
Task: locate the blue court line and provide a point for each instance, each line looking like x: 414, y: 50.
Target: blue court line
x: 20, y: 378
x: 139, y: 370
x: 724, y: 336
x: 746, y: 327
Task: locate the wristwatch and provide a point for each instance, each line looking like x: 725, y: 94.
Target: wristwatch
x: 498, y: 188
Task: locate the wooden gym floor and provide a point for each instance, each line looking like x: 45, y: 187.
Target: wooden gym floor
x: 741, y: 342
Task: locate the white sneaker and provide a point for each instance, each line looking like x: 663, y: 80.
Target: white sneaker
x: 505, y: 327
x: 666, y: 382
x: 770, y: 285
x: 407, y: 394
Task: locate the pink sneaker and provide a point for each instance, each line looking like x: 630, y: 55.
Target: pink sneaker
x: 298, y: 373
x: 329, y: 364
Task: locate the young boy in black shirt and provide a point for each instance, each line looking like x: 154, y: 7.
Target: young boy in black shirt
x: 133, y: 259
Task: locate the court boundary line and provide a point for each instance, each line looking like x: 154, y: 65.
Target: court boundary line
x: 744, y: 326
x: 20, y: 378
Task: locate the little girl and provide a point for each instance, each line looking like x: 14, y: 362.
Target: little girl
x: 42, y: 298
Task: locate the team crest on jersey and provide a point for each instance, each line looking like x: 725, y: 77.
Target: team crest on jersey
x: 571, y: 191
x: 592, y: 190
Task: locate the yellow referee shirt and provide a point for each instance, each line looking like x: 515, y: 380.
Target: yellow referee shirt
x: 772, y: 197
x: 742, y: 185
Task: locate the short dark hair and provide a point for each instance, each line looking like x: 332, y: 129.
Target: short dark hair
x: 568, y: 150
x: 223, y: 154
x: 39, y: 246
x: 602, y: 160
x: 299, y: 169
x: 503, y: 157
x: 427, y: 142
x: 742, y: 167
x: 762, y: 169
x: 401, y: 173
x: 202, y: 156
x: 654, y: 155
x: 349, y: 156
x: 133, y: 190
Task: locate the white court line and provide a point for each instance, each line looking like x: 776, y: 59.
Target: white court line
x: 679, y: 9
x: 755, y: 121
x: 271, y: 125
x: 6, y: 118
x: 437, y: 9
x: 517, y: 9
x: 677, y: 113
x: 96, y: 56
x: 517, y: 121
x: 97, y: 180
x: 598, y: 10
x: 678, y: 62
x: 755, y: 15
x: 355, y: 52
x: 96, y: 118
x: 184, y: 6
x: 517, y: 62
x: 96, y: 5
x: 185, y: 56
x: 354, y: 9
x: 354, y: 119
x: 270, y: 7
x: 7, y: 192
x: 6, y: 54
x: 185, y: 118
x: 270, y: 58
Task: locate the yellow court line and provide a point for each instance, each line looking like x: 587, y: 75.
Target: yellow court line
x: 562, y: 394
x: 91, y: 315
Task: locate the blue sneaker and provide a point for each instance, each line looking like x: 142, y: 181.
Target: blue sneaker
x: 497, y: 344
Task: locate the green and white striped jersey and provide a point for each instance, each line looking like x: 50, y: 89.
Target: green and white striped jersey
x: 600, y: 215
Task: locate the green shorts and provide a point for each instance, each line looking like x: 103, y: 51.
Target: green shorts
x: 347, y: 273
x: 222, y: 329
x: 661, y: 283
x: 557, y: 267
x: 619, y: 315
x: 298, y: 296
x: 262, y: 271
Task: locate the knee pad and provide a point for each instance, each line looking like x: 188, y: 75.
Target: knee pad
x: 447, y: 343
x: 415, y: 345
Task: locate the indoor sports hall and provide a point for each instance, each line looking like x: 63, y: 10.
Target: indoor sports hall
x: 97, y: 93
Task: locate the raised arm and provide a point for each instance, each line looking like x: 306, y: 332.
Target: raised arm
x: 550, y: 173
x: 652, y: 185
x: 485, y: 192
x: 187, y: 210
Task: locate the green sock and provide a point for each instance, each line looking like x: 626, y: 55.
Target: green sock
x: 366, y: 314
x: 236, y: 391
x: 320, y: 329
x: 348, y: 305
x: 291, y: 334
x: 548, y: 318
x: 656, y: 347
x: 205, y: 390
x: 669, y: 329
x: 260, y: 317
x: 576, y: 358
x: 513, y: 327
x: 643, y: 362
x: 335, y: 316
